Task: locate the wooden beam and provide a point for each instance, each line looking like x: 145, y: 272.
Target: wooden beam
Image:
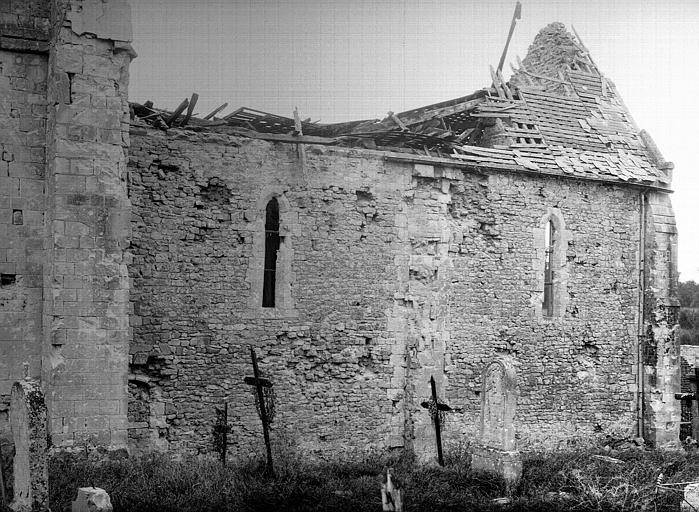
x: 190, y: 108
x: 397, y: 120
x: 283, y: 137
x: 517, y: 15
x: 229, y: 116
x: 587, y: 52
x: 496, y: 83
x: 508, y: 92
x: 298, y: 127
x: 542, y: 77
x: 298, y: 131
x: 440, y: 112
x: 177, y: 112
x: 215, y: 111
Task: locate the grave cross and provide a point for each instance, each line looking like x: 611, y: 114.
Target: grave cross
x: 693, y: 399
x: 260, y: 383
x: 221, y: 431
x: 434, y: 407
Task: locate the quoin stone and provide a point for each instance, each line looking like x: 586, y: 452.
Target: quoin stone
x: 495, y: 450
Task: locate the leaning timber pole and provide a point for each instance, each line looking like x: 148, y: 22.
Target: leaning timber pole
x: 517, y: 16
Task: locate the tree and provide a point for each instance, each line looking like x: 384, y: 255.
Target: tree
x: 689, y: 294
x: 688, y: 333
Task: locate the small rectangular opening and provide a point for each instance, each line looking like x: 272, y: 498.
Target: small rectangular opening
x: 17, y: 217
x: 7, y: 279
x: 70, y: 87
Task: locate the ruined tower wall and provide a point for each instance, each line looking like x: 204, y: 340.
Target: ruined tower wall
x: 24, y: 38
x: 395, y: 272
x: 64, y: 212
x: 86, y: 285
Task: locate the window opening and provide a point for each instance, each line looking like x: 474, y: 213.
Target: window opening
x: 548, y: 268
x: 272, y: 240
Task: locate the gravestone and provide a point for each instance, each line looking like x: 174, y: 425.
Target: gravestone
x: 495, y: 450
x: 28, y: 424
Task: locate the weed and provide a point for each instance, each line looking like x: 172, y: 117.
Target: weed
x: 552, y: 481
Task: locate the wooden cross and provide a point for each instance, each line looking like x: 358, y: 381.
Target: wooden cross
x: 693, y: 399
x: 221, y: 431
x: 434, y: 406
x: 260, y: 383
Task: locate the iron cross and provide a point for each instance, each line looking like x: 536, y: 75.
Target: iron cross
x: 434, y: 412
x: 260, y: 383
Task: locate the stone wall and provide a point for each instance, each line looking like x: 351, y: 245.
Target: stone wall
x: 64, y: 212
x: 23, y: 27
x: 395, y: 272
x: 661, y: 352
x: 391, y: 269
x: 86, y: 287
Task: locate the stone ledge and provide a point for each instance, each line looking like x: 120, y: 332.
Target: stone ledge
x: 23, y: 45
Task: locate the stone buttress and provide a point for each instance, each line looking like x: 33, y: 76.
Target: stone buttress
x: 86, y: 287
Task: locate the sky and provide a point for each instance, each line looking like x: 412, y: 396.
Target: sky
x: 342, y: 60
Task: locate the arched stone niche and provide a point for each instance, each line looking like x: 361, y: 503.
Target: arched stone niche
x: 559, y: 264
x: 285, y: 278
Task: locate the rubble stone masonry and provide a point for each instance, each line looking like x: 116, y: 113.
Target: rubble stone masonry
x: 399, y: 271
x: 131, y: 278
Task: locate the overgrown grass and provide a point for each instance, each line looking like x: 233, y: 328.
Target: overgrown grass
x: 551, y: 481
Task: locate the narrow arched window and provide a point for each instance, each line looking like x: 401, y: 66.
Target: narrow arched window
x: 271, y: 248
x: 549, y: 242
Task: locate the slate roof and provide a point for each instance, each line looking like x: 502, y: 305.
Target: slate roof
x: 557, y: 115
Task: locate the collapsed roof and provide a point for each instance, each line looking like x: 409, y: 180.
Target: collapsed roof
x: 556, y: 115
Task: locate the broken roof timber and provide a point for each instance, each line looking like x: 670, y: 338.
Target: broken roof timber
x: 554, y: 116
x: 443, y: 109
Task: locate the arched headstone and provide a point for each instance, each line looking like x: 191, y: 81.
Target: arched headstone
x: 495, y: 451
x: 28, y: 424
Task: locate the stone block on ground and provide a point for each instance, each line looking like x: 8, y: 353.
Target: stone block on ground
x: 92, y: 499
x: 691, y: 498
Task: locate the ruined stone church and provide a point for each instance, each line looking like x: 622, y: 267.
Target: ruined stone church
x: 143, y: 251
